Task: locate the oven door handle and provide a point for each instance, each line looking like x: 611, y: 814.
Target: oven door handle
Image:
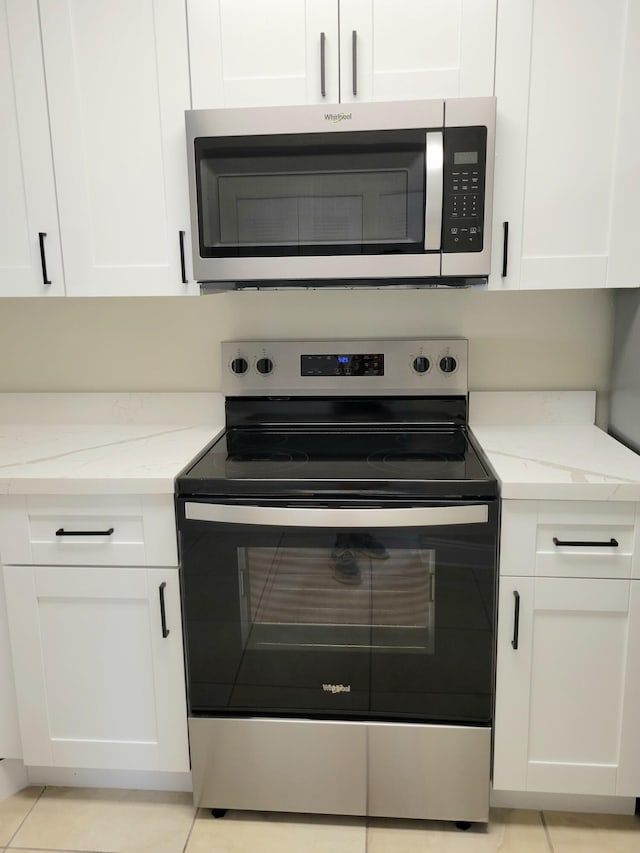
x: 291, y: 516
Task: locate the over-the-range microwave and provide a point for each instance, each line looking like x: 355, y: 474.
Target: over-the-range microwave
x: 372, y: 193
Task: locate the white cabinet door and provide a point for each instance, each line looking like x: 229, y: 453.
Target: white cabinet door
x: 97, y: 683
x: 248, y: 53
x: 410, y: 49
x: 560, y: 691
x: 10, y: 745
x: 27, y: 197
x: 118, y: 84
x: 567, y: 144
x: 629, y: 773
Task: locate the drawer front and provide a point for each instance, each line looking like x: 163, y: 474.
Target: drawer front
x: 581, y: 539
x: 592, y: 541
x: 88, y: 530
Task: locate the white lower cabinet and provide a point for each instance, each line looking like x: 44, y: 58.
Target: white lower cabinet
x: 568, y: 660
x: 10, y: 745
x: 97, y: 654
x: 629, y: 767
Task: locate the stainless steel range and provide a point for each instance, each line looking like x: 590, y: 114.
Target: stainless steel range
x: 338, y: 560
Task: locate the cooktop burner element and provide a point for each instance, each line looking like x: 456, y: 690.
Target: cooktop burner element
x: 265, y: 462
x: 310, y: 426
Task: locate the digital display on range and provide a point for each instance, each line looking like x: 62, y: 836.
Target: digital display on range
x: 352, y: 364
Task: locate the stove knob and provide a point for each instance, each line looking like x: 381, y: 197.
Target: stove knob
x: 239, y: 365
x: 421, y: 364
x: 264, y: 366
x: 448, y: 364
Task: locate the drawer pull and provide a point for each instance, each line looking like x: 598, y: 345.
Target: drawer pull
x: 612, y: 543
x: 163, y: 615
x: 62, y: 532
x: 516, y: 620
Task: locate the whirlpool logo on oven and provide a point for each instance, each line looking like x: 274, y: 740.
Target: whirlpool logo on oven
x: 336, y: 117
x: 336, y: 688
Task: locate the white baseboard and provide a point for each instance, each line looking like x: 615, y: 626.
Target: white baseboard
x: 562, y: 802
x: 13, y: 777
x: 134, y: 779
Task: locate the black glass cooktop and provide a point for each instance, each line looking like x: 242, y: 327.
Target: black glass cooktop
x: 382, y: 460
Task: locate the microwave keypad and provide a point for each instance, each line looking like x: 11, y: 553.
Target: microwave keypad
x: 463, y: 209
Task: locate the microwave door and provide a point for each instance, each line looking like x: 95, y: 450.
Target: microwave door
x: 434, y: 191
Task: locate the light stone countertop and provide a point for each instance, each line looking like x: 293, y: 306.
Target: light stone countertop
x: 102, y: 443
x: 542, y: 445
x: 545, y: 446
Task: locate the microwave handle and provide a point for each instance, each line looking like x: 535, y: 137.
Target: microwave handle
x: 343, y: 517
x: 434, y: 190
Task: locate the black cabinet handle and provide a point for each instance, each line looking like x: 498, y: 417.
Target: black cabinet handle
x: 612, y: 543
x: 323, y: 82
x: 43, y: 259
x: 163, y: 615
x: 62, y: 532
x: 516, y: 620
x: 183, y: 268
x: 354, y: 57
x: 505, y: 247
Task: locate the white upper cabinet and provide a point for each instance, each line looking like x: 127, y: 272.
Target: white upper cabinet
x: 567, y: 143
x: 118, y: 84
x: 394, y: 50
x: 93, y: 94
x: 28, y: 215
x: 250, y: 53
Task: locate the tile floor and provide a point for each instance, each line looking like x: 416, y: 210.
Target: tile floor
x: 82, y: 820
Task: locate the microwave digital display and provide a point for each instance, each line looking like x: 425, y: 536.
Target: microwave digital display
x: 465, y: 158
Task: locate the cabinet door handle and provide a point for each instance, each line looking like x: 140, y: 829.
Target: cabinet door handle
x: 354, y: 58
x: 183, y: 268
x: 516, y: 619
x: 323, y: 86
x: 163, y: 615
x: 62, y: 532
x: 612, y: 543
x: 505, y: 247
x: 43, y: 258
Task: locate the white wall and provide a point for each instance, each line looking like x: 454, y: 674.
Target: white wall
x: 528, y: 340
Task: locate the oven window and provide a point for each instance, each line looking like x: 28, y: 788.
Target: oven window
x: 311, y: 194
x: 355, y: 595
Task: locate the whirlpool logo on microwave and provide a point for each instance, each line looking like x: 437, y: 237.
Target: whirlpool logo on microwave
x: 336, y: 688
x: 336, y: 117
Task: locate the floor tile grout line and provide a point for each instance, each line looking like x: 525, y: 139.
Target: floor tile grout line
x: 55, y: 850
x: 193, y: 823
x: 21, y: 824
x: 546, y: 832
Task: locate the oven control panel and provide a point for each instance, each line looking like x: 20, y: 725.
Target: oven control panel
x: 345, y: 367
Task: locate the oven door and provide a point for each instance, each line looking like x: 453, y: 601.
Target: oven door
x: 327, y: 611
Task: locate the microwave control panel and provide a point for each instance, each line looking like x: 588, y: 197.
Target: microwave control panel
x: 464, y: 189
